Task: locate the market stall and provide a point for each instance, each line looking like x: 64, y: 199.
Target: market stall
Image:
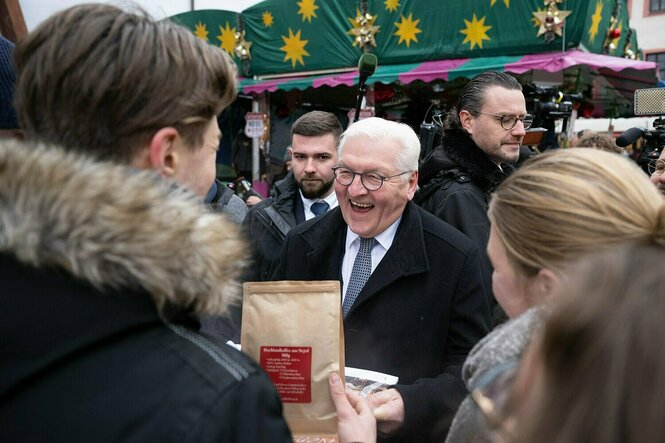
x: 294, y: 55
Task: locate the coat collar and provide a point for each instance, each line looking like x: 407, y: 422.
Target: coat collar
x: 458, y: 150
x: 407, y: 255
x: 287, y: 200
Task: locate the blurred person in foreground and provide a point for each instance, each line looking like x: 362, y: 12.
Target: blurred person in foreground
x: 557, y: 207
x: 148, y: 100
x: 597, y: 373
x: 105, y: 266
x: 403, y: 315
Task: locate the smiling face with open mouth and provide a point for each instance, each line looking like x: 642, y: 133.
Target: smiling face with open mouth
x: 369, y: 213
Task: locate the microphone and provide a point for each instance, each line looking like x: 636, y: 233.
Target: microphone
x: 629, y: 137
x: 366, y: 67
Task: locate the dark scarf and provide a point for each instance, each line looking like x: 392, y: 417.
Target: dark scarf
x: 459, y: 152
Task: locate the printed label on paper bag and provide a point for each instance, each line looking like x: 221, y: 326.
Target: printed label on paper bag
x: 290, y: 369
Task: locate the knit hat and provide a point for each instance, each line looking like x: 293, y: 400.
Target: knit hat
x: 8, y: 119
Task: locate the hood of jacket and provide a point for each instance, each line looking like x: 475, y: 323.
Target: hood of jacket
x: 116, y: 227
x: 460, y: 152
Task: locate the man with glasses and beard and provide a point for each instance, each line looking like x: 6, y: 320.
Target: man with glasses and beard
x: 303, y: 194
x: 481, y: 142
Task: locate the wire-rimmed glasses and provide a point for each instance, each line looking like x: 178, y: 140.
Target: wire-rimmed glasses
x: 372, y: 181
x: 656, y: 167
x: 508, y: 121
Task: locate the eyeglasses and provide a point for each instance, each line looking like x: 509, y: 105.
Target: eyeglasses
x: 508, y: 121
x: 372, y: 181
x: 492, y: 393
x: 656, y: 167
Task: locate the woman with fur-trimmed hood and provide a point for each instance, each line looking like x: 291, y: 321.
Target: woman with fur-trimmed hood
x: 101, y: 266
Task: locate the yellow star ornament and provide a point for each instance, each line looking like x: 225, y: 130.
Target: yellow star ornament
x: 227, y: 37
x: 267, y: 19
x: 595, y: 20
x: 536, y: 21
x: 407, y: 30
x: 551, y: 21
x: 505, y: 2
x: 363, y: 30
x: 294, y: 48
x: 475, y: 31
x: 201, y: 31
x: 307, y: 9
x: 392, y: 5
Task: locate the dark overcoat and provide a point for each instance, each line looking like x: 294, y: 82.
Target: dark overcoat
x: 418, y: 315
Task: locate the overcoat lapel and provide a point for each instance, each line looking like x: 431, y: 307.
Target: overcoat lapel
x: 406, y: 256
x: 326, y: 240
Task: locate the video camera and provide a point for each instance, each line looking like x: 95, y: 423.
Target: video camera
x: 549, y: 103
x: 649, y: 102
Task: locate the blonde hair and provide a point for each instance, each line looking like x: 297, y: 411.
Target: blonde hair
x: 566, y: 203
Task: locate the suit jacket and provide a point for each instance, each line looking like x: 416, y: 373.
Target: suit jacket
x: 418, y: 315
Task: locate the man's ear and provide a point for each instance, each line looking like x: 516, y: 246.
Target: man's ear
x: 466, y: 119
x: 163, y: 153
x: 413, y: 185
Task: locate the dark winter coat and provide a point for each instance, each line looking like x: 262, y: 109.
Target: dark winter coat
x: 267, y: 224
x: 456, y: 180
x: 94, y: 275
x: 421, y: 311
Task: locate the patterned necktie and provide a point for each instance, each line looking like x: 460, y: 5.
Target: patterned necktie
x: 319, y: 208
x: 362, y: 269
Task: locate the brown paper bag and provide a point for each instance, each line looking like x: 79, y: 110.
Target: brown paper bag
x: 294, y: 330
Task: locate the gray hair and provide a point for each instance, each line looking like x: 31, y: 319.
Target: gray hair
x: 377, y: 129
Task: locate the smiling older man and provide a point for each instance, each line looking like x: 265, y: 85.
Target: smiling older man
x: 414, y: 302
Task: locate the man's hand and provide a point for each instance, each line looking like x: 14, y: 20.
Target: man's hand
x: 355, y: 422
x: 388, y: 409
x: 252, y: 200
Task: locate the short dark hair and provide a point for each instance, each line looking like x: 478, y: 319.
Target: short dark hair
x: 598, y: 141
x: 472, y: 97
x: 317, y: 123
x: 100, y: 80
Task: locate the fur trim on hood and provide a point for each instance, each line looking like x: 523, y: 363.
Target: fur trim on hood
x: 116, y: 227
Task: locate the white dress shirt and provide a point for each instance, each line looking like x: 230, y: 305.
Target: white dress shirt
x: 384, y: 241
